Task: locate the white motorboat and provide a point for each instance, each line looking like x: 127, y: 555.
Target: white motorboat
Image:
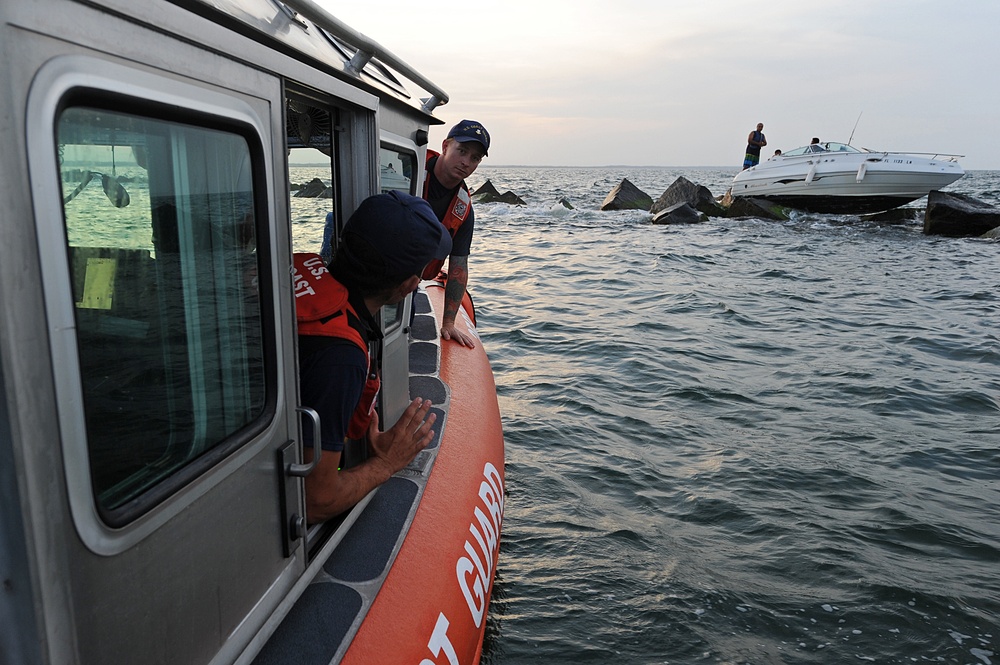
x: 839, y: 178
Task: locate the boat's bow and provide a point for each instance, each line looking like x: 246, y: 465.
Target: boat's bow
x: 440, y: 583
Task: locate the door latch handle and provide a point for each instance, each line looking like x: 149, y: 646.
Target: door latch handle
x: 302, y: 470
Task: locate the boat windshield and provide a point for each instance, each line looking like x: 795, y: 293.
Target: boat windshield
x: 830, y: 146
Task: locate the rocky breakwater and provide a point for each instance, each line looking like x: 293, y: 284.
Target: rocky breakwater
x: 488, y: 193
x: 685, y: 202
x: 958, y: 215
x: 626, y: 196
x: 315, y: 188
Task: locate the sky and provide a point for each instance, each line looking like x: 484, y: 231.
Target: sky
x: 683, y: 82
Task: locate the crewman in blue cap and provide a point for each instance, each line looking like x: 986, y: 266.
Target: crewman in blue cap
x: 445, y: 189
x: 385, y: 247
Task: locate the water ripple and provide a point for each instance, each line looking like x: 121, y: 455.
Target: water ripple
x: 740, y: 441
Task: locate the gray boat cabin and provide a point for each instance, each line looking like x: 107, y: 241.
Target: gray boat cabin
x: 151, y: 476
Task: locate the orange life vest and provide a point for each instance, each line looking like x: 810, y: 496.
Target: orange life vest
x: 458, y: 212
x: 322, y: 309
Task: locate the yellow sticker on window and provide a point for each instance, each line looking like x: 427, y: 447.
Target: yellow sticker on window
x: 98, y: 284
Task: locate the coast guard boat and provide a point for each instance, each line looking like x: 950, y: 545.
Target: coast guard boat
x: 151, y: 464
x: 839, y: 178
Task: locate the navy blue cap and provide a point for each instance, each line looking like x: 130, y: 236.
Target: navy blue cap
x: 402, y: 230
x: 470, y: 130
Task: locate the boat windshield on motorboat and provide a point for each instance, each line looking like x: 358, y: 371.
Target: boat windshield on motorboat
x: 835, y: 177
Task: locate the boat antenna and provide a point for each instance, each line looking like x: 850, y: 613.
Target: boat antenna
x: 855, y: 128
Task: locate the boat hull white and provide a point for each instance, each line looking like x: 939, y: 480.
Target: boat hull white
x: 845, y: 182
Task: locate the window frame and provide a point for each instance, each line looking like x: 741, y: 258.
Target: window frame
x: 180, y: 469
x: 65, y: 82
x: 390, y: 324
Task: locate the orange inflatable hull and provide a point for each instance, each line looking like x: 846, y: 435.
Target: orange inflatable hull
x: 431, y: 609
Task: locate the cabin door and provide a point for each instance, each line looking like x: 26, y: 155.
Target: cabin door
x: 169, y: 314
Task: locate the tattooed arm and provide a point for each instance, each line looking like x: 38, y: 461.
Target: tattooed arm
x: 454, y: 291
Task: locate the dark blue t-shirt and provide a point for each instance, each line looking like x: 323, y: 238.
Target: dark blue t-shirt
x: 332, y: 375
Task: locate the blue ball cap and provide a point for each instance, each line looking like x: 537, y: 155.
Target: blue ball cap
x: 470, y: 130
x: 403, y: 230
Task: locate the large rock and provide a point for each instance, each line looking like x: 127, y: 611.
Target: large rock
x: 626, y: 196
x: 685, y: 191
x: 487, y: 193
x: 958, y: 215
x: 679, y: 213
x: 315, y: 189
x: 507, y: 197
x: 512, y: 198
x: 485, y: 188
x: 747, y: 207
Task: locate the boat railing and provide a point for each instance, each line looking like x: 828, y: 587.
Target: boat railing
x: 944, y: 156
x: 367, y: 49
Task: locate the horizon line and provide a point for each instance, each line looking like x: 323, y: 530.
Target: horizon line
x: 594, y: 166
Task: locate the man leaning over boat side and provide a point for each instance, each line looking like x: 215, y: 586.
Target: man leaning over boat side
x: 386, y: 245
x: 445, y: 189
x: 755, y: 141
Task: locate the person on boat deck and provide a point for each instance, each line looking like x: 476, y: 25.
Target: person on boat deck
x: 814, y: 145
x: 445, y: 189
x: 386, y: 245
x: 755, y: 141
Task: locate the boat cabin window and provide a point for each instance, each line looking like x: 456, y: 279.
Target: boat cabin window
x: 161, y: 225
x: 830, y: 146
x: 804, y: 150
x: 396, y: 170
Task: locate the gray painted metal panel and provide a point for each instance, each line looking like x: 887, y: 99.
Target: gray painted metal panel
x: 19, y: 638
x: 150, y: 588
x: 194, y: 593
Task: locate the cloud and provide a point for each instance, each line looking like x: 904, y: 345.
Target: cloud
x: 674, y: 84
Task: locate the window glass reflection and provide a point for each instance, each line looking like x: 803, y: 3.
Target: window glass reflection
x: 162, y: 248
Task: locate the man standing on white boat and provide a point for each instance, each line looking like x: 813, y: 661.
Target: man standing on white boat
x: 445, y: 189
x: 386, y: 245
x: 755, y: 141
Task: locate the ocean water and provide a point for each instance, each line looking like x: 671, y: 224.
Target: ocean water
x: 741, y: 441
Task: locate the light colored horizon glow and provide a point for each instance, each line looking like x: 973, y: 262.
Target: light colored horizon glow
x: 666, y: 83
